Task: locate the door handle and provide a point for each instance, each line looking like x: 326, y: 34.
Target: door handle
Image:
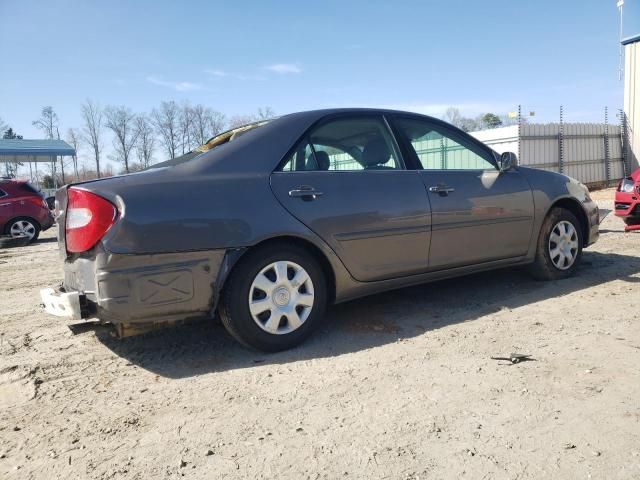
x: 306, y: 193
x: 442, y: 189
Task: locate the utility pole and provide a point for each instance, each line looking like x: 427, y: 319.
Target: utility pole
x: 620, y: 4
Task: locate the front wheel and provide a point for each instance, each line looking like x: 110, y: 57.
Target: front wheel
x: 559, y: 247
x: 275, y: 297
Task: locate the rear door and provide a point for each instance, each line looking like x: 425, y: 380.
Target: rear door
x: 479, y: 214
x: 346, y: 181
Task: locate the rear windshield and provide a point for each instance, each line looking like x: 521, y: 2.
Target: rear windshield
x: 229, y: 136
x: 27, y: 187
x: 212, y: 143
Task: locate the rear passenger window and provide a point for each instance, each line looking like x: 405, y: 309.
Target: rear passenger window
x: 301, y: 159
x: 351, y: 144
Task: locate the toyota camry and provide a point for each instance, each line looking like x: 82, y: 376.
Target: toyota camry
x: 269, y: 223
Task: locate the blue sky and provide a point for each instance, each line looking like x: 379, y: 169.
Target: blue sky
x: 291, y: 55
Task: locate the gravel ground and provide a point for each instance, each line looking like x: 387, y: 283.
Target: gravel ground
x: 400, y: 385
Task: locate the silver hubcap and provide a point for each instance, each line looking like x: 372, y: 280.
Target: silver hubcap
x: 22, y: 228
x: 281, y: 297
x: 563, y: 245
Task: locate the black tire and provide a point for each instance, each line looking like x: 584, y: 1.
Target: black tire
x: 630, y: 221
x: 35, y: 224
x: 234, y: 301
x: 10, y: 242
x: 544, y: 268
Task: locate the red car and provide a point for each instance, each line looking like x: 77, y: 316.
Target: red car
x: 627, y: 203
x: 23, y: 211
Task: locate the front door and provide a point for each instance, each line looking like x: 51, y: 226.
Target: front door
x: 346, y: 182
x: 479, y: 214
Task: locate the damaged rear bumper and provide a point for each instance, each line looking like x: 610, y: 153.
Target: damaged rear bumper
x: 136, y: 292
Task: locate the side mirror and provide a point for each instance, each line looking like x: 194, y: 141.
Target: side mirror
x: 508, y: 161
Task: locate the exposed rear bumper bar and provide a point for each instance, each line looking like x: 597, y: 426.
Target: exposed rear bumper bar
x: 70, y: 305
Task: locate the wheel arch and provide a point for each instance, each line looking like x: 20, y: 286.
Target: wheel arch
x: 233, y: 256
x: 574, y: 206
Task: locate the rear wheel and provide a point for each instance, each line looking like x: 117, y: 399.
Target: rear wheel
x: 559, y: 247
x: 274, y: 298
x: 23, y: 226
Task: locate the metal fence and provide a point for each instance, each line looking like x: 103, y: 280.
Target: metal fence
x: 590, y: 152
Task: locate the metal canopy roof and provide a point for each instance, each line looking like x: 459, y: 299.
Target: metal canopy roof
x: 631, y: 39
x: 14, y: 150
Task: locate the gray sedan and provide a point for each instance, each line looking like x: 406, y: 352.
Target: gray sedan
x: 269, y: 223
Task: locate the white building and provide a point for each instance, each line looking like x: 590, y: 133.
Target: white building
x: 632, y: 97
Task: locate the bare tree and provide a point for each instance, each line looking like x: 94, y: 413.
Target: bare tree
x: 3, y: 126
x: 166, y: 120
x: 452, y: 115
x: 186, y: 127
x: 217, y: 122
x: 61, y: 159
x: 92, y: 130
x: 146, y: 140
x: 48, y: 122
x: 73, y: 137
x: 468, y: 124
x: 240, y: 120
x: 206, y: 123
x: 265, y: 113
x: 121, y: 121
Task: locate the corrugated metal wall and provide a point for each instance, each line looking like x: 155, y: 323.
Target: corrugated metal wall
x: 589, y: 152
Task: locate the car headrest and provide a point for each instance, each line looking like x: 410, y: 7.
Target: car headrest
x: 323, y: 160
x: 375, y: 153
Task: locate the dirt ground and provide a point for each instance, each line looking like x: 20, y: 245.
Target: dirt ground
x: 400, y: 385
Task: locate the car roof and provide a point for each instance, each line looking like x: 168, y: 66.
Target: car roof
x: 319, y: 113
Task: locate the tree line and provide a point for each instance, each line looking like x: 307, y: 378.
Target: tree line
x: 484, y: 121
x: 169, y: 130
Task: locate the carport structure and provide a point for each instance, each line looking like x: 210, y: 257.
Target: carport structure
x: 14, y: 152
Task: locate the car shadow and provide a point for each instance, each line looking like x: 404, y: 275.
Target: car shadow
x: 205, y: 347
x: 45, y: 240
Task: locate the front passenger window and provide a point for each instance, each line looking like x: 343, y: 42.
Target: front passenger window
x: 438, y: 148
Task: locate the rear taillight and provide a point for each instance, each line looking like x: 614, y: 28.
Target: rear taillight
x: 89, y: 217
x: 38, y: 201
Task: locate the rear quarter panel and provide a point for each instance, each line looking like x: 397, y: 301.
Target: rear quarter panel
x: 202, y: 212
